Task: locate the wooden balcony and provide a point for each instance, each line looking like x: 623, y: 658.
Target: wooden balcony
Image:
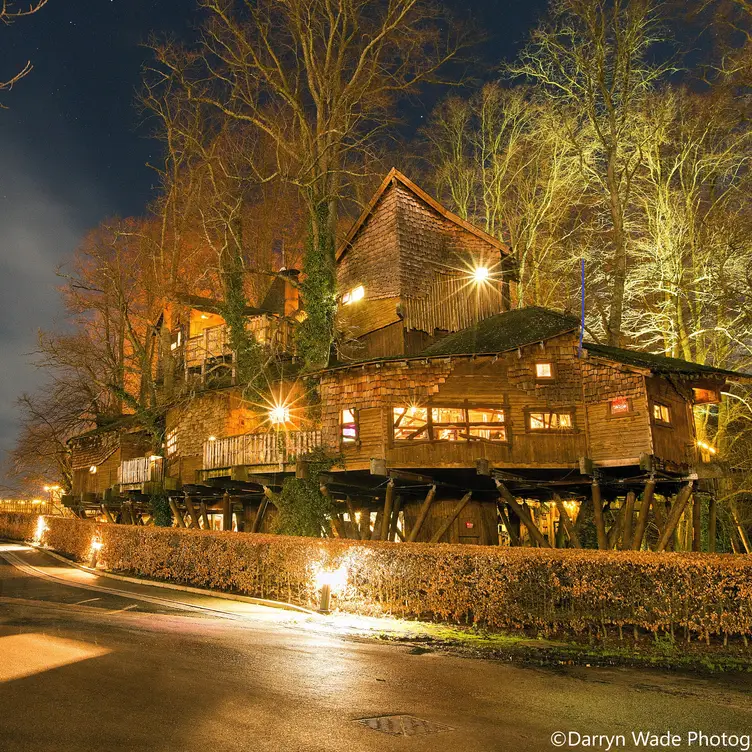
x: 271, y: 450
x: 214, y: 342
x: 133, y: 474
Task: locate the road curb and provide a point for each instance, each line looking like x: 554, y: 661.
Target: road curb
x: 169, y: 585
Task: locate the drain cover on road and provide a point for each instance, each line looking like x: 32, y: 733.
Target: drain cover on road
x: 403, y: 725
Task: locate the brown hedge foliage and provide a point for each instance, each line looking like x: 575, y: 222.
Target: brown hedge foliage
x: 496, y: 588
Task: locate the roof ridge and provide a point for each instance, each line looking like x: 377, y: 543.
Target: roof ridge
x: 395, y: 174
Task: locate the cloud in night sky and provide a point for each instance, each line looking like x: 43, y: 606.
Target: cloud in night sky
x: 42, y: 219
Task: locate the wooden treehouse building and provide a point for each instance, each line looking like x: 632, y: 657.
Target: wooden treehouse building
x: 457, y: 416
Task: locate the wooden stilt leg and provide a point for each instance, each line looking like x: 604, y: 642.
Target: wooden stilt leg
x: 191, y: 511
x: 677, y: 509
x: 395, y: 518
x: 205, y: 516
x: 176, y: 513
x: 523, y: 514
x: 353, y: 519
x: 108, y: 515
x: 387, y: 514
x: 600, y: 525
x: 712, y: 524
x: 513, y: 537
x: 570, y: 529
x: 642, y: 517
x: 248, y: 516
x: 226, y: 512
x: 629, y: 505
x: 422, y: 514
x: 696, y: 523
x: 743, y: 537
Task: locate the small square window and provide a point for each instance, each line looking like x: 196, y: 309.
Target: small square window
x: 544, y: 370
x: 661, y: 413
x: 546, y: 421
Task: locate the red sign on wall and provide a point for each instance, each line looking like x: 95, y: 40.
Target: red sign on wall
x: 469, y: 525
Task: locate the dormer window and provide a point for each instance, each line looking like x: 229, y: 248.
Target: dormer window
x: 354, y: 295
x: 544, y: 371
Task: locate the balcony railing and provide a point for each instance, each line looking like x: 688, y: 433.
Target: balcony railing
x: 141, y: 470
x: 271, y: 448
x: 214, y: 341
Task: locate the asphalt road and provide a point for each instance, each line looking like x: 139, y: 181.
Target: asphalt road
x: 85, y: 669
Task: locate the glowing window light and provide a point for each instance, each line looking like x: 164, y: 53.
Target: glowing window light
x: 354, y: 295
x: 155, y: 457
x: 212, y: 438
x: 93, y: 469
x: 481, y: 274
x: 279, y: 414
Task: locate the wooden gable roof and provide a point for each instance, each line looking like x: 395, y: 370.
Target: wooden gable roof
x: 395, y: 175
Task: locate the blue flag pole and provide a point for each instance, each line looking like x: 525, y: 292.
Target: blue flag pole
x: 582, y: 305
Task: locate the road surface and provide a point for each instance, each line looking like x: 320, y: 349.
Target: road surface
x: 100, y: 665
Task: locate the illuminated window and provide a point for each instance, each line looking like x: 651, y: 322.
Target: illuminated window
x: 354, y: 295
x: 449, y: 424
x: 661, y: 413
x: 171, y: 442
x: 549, y: 421
x: 349, y: 427
x: 544, y: 370
x: 410, y: 423
x: 93, y: 469
x: 620, y: 405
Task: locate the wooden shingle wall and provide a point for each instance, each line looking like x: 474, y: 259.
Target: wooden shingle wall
x: 611, y: 436
x: 674, y: 443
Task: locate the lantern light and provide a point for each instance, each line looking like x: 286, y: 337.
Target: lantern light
x: 709, y: 449
x: 93, y: 469
x: 212, y: 438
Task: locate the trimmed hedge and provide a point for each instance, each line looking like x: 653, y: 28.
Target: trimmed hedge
x: 497, y: 588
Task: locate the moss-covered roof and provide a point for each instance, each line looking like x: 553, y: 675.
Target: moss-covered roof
x: 656, y: 363
x: 505, y: 331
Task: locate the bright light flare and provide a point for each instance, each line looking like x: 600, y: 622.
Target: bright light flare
x: 96, y: 544
x: 279, y: 414
x: 706, y: 447
x: 40, y: 530
x: 481, y: 274
x: 336, y: 579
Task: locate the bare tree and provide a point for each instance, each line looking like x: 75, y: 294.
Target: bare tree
x: 10, y: 12
x: 591, y: 60
x: 319, y: 79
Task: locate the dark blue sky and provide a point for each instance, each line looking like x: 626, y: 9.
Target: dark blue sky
x: 72, y: 149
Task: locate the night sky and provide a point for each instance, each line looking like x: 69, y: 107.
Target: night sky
x: 73, y: 150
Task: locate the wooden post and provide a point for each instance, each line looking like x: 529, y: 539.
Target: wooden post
x: 395, y: 518
x: 353, y: 518
x: 569, y: 527
x: 376, y: 532
x: 177, y: 514
x: 226, y: 512
x: 600, y: 526
x: 205, y: 515
x: 629, y: 505
x: 365, y: 524
x: 387, y: 515
x: 108, y: 516
x: 455, y: 514
x: 696, y: 523
x: 712, y: 523
x: 339, y: 525
x: 642, y: 517
x: 248, y: 516
x: 513, y: 538
x: 580, y: 521
x: 261, y: 511
x: 677, y: 509
x: 551, y: 530
x: 740, y: 528
x: 191, y: 511
x: 523, y: 514
x: 422, y: 514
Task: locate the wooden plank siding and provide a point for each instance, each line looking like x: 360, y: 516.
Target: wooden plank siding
x: 674, y: 443
x: 508, y: 381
